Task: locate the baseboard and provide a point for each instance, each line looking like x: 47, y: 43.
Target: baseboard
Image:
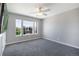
x: 21, y: 41
x: 46, y: 39
x: 64, y: 43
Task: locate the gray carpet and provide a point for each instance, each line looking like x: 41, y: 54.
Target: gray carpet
x: 40, y: 47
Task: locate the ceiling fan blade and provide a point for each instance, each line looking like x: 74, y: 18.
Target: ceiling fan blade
x: 46, y: 10
x: 45, y: 14
x: 33, y: 12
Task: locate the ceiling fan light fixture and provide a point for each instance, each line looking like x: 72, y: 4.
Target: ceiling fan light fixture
x: 40, y: 13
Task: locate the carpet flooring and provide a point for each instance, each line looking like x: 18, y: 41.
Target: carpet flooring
x: 39, y: 47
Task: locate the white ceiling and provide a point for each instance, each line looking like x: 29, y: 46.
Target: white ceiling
x: 28, y: 8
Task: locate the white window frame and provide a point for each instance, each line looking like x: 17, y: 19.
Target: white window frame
x: 33, y: 33
x: 21, y: 29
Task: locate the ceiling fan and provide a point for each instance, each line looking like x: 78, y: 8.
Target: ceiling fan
x: 41, y: 11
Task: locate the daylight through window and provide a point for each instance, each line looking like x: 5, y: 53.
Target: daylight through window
x: 24, y: 27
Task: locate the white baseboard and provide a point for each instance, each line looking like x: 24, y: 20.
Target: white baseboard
x: 64, y: 43
x: 21, y: 41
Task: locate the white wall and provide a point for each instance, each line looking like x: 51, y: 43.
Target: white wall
x: 11, y: 32
x: 2, y: 42
x: 63, y: 28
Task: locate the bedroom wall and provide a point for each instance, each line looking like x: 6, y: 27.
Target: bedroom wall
x: 11, y: 32
x: 63, y: 28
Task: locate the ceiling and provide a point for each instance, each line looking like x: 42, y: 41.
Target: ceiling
x: 28, y: 8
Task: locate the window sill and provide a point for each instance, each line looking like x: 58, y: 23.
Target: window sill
x: 18, y: 35
x: 26, y: 35
x: 29, y: 34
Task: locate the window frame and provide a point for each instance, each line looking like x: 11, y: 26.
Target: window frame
x: 33, y: 33
x: 21, y: 28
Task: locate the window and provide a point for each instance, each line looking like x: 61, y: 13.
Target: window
x: 24, y: 27
x: 18, y: 27
x: 27, y: 27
